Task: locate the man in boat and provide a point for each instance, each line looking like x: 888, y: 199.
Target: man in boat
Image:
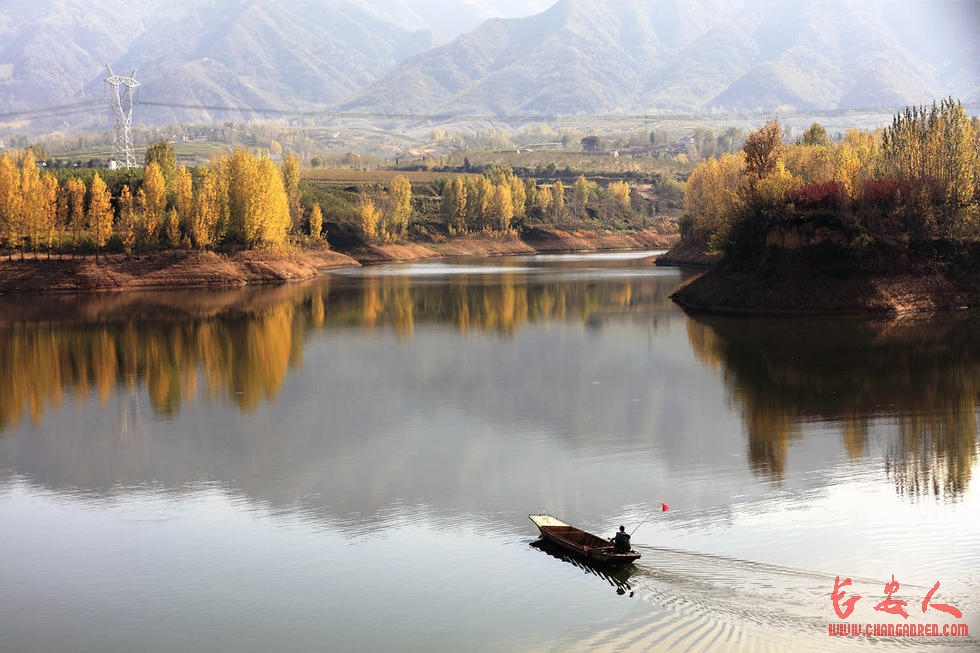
x: 621, y: 543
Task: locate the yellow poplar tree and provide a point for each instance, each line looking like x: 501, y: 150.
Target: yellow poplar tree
x: 290, y: 179
x: 184, y: 186
x: 272, y: 214
x: 207, y: 210
x: 316, y: 222
x: 620, y: 190
x: 400, y: 190
x: 50, y: 192
x: 544, y: 199
x: 75, y: 208
x: 128, y: 219
x: 501, y: 211
x: 173, y: 228
x: 558, y: 200
x: 31, y: 200
x: 154, y: 197
x: 711, y: 195
x: 369, y: 214
x: 10, y: 203
x: 100, y: 211
x: 454, y: 205
x: 243, y: 194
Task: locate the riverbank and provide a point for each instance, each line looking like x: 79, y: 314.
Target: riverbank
x: 194, y: 269
x: 690, y: 252
x: 829, y: 288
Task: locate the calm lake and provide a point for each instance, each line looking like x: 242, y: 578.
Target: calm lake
x: 349, y: 465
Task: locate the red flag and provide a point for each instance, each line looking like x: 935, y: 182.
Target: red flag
x: 664, y: 507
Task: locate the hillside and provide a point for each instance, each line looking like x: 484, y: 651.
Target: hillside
x: 192, y: 57
x: 600, y: 56
x: 268, y: 59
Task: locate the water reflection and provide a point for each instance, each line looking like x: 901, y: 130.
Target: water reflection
x: 916, y: 376
x: 617, y: 577
x: 239, y: 345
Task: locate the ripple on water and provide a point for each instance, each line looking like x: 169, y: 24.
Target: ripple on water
x: 711, y: 603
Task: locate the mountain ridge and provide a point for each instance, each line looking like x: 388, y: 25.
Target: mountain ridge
x: 219, y: 60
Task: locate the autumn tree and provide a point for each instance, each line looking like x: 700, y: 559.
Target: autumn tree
x: 583, y: 191
x: 501, y: 208
x: 935, y: 151
x: 290, y: 180
x: 620, y: 191
x: 162, y: 153
x: 858, y: 160
x: 815, y: 135
x: 369, y: 215
x: 544, y: 200
x: 185, y: 205
x: 154, y: 200
x: 454, y: 205
x: 763, y: 149
x: 75, y: 209
x: 49, y: 225
x: 243, y: 194
x: 31, y: 201
x: 530, y: 194
x: 128, y: 219
x: 479, y: 192
x: 100, y: 214
x: 11, y: 227
x: 172, y: 227
x: 207, y: 210
x: 712, y: 196
x: 400, y: 192
x: 316, y: 223
x: 268, y: 222
x: 558, y: 200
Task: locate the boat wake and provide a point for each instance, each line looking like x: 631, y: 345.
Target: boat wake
x: 698, y: 602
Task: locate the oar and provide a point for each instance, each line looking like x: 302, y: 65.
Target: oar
x: 663, y: 508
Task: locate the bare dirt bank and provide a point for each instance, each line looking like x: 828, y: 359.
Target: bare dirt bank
x: 815, y: 290
x: 693, y: 252
x: 164, y: 270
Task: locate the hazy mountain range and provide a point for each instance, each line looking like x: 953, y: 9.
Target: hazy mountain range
x: 195, y: 59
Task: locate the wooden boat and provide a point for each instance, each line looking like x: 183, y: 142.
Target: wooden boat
x: 580, y: 542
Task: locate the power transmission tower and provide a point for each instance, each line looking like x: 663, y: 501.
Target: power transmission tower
x: 119, y: 94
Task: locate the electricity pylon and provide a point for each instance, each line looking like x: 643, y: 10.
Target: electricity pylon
x: 119, y: 94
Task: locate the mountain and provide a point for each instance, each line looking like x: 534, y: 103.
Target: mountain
x: 449, y: 19
x: 217, y: 60
x: 248, y: 54
x: 609, y: 56
x: 197, y: 58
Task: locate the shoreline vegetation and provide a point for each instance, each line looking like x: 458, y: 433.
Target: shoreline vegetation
x: 243, y: 219
x: 883, y: 222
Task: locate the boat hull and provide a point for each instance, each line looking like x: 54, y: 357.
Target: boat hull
x: 582, y: 543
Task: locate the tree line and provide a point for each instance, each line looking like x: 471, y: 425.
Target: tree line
x: 916, y: 180
x: 238, y: 199
x: 497, y: 200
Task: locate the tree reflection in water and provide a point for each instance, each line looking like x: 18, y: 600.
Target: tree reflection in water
x: 918, y: 375
x: 238, y: 345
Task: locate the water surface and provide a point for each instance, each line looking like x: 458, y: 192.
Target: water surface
x: 349, y: 464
